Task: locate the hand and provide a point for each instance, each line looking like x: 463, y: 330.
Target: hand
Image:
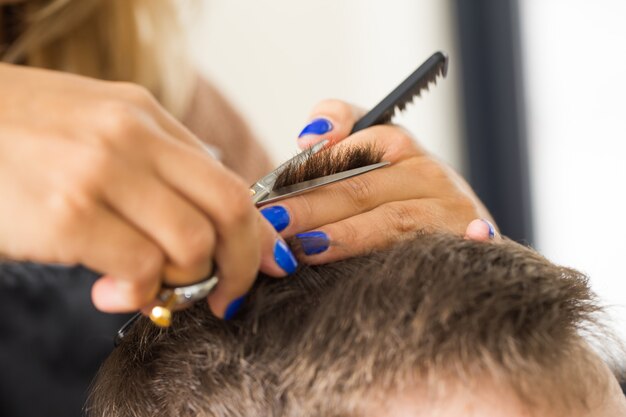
x: 97, y: 173
x: 416, y: 193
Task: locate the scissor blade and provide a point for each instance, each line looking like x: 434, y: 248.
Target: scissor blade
x: 305, y: 186
x: 264, y: 186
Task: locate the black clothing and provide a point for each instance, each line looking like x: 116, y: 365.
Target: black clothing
x: 52, y: 339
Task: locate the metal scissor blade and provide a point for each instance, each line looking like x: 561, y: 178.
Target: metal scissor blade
x: 305, y: 186
x: 260, y: 189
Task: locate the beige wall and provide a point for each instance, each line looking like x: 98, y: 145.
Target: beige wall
x: 276, y: 58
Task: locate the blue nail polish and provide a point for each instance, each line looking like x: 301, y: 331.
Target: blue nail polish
x: 492, y: 230
x: 234, y: 307
x: 317, y: 127
x: 313, y: 242
x: 278, y: 216
x: 284, y: 258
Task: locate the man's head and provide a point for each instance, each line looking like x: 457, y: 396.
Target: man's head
x: 436, y: 326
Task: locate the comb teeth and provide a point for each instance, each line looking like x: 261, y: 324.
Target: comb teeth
x: 405, y: 93
x: 423, y: 84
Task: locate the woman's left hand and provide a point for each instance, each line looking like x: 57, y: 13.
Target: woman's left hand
x: 416, y: 193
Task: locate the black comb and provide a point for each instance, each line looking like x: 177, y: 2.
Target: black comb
x: 436, y: 65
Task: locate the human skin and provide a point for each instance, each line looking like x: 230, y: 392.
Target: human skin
x: 488, y: 399
x: 97, y: 173
x: 416, y: 192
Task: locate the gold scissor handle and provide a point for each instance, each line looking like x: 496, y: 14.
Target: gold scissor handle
x: 171, y: 298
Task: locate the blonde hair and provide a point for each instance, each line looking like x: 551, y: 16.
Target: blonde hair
x: 139, y: 41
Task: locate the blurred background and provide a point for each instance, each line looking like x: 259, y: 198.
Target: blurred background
x: 532, y: 111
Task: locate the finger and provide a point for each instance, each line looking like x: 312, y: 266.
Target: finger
x: 481, y: 230
x: 238, y: 260
x: 144, y: 100
x: 349, y: 197
x: 413, y: 174
x: 225, y: 199
x: 109, y: 244
x: 354, y: 196
x: 179, y: 228
x: 219, y: 193
x: 374, y: 230
x: 399, y: 147
x: 276, y: 260
x: 331, y: 120
x: 112, y: 295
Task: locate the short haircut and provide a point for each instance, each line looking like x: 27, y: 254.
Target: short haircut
x: 332, y: 340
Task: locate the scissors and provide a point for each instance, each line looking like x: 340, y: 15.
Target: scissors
x: 263, y: 191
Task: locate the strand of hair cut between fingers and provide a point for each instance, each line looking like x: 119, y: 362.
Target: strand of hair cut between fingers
x: 329, y: 161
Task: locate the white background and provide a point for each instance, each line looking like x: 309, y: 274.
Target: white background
x: 575, y: 52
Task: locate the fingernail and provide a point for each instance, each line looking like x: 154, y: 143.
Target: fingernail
x: 318, y: 126
x: 313, y: 242
x: 492, y: 230
x: 278, y: 216
x: 234, y: 307
x: 284, y: 258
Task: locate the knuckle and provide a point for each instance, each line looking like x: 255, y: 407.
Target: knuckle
x: 400, y: 219
x: 404, y: 139
x: 435, y: 171
x: 431, y: 172
x: 359, y: 191
x: 68, y: 210
x: 301, y: 210
x: 93, y: 166
x: 85, y: 172
x: 240, y: 210
x: 398, y: 141
x: 146, y: 263
x: 117, y: 120
x: 349, y: 233
x: 199, y: 245
x: 136, y: 94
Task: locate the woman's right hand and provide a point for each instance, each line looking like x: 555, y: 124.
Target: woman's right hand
x: 97, y: 173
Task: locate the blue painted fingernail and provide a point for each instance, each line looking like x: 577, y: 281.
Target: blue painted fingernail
x: 492, y: 230
x: 284, y: 258
x: 278, y: 216
x: 313, y: 242
x: 234, y: 307
x: 317, y: 127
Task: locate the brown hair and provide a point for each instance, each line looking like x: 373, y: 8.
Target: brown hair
x: 328, y: 340
x: 328, y: 161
